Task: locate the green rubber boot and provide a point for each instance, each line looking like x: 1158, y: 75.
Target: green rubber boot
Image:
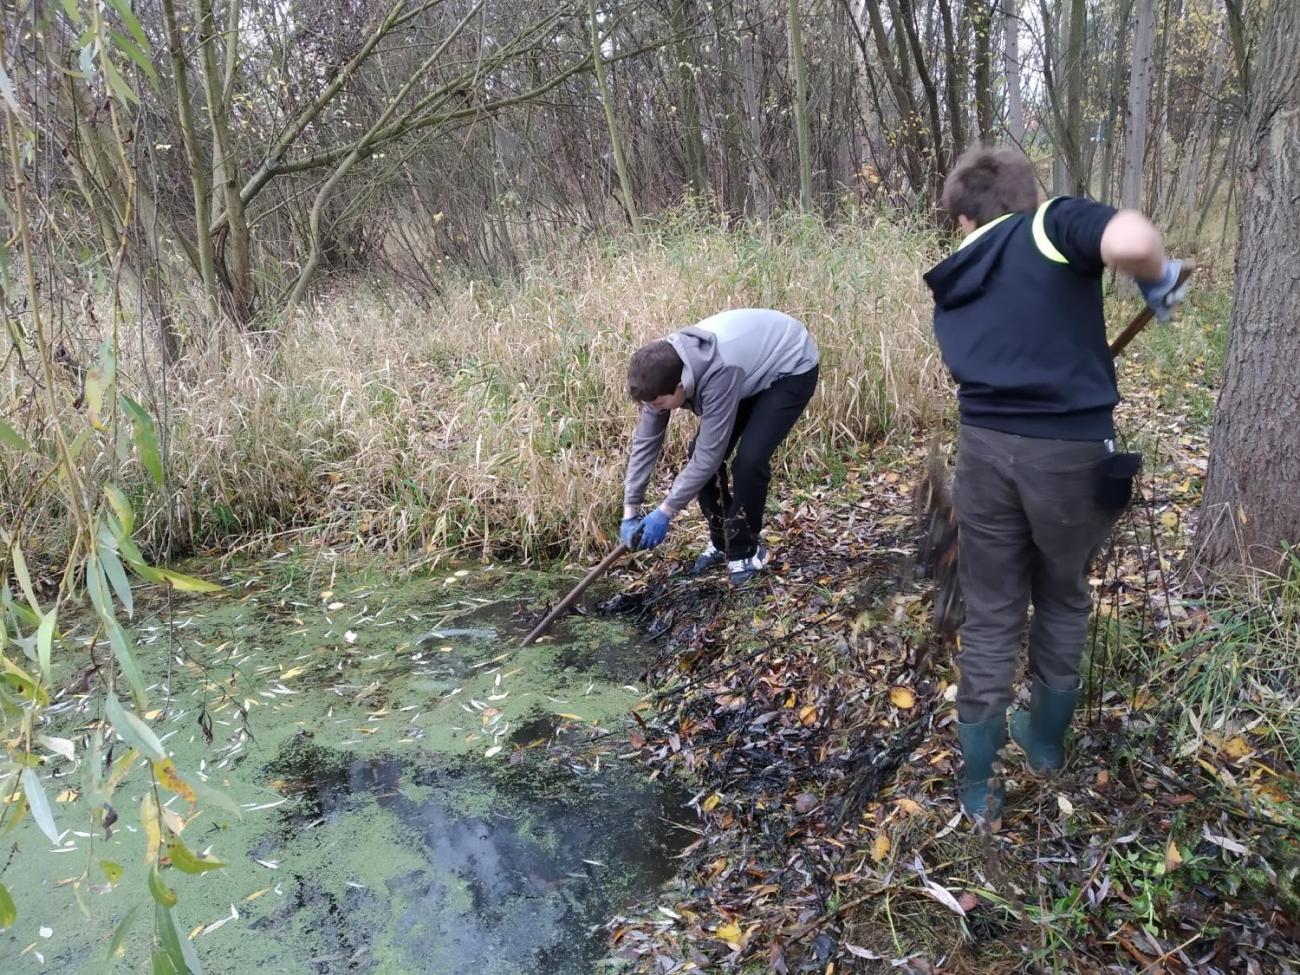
x: 1040, y: 731
x: 981, y: 790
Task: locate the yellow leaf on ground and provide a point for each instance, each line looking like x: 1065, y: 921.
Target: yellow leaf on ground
x: 711, y: 803
x: 1168, y: 518
x: 880, y: 848
x: 1236, y: 748
x: 730, y: 933
x: 902, y: 697
x: 807, y: 715
x: 1173, y: 859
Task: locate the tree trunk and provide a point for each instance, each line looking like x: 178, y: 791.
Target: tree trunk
x: 225, y: 166
x: 802, y: 131
x: 1139, y: 94
x: 982, y: 20
x: 194, y: 163
x: 615, y: 140
x: 697, y: 162
x: 1114, y: 100
x: 760, y: 180
x: 1251, y: 506
x: 1011, y: 65
x: 1077, y: 175
x: 952, y: 80
x: 903, y: 10
x: 724, y: 33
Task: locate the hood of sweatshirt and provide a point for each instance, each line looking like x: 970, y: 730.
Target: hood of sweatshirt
x: 962, y: 276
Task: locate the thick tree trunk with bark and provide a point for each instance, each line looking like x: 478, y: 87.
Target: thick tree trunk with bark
x: 1252, y: 502
x: 1139, y: 95
x: 802, y: 131
x: 1011, y: 63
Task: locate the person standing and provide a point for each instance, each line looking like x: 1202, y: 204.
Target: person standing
x: 1019, y: 320
x: 748, y: 374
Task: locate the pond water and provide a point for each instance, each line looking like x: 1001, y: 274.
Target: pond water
x: 417, y: 793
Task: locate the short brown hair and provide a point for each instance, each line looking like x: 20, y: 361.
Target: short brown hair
x: 655, y: 370
x: 988, y: 182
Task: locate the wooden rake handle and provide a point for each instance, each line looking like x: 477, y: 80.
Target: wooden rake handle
x: 1143, y: 318
x: 563, y: 605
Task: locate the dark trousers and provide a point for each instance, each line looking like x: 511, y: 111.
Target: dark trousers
x: 733, y: 507
x: 1028, y: 530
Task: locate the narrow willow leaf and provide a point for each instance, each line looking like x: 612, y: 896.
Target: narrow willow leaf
x: 60, y: 746
x: 125, y: 655
x: 187, y: 861
x: 118, y: 580
x: 211, y: 796
x: 97, y: 587
x: 129, y: 21
x: 131, y: 50
x: 8, y: 913
x: 8, y: 93
x: 188, y: 583
x: 163, y: 965
x: 117, y: 947
x: 45, y: 641
x: 179, y: 949
x: 131, y: 553
x: 12, y: 438
x: 121, y: 507
x: 152, y: 824
x: 134, y: 732
x: 115, y: 81
x: 24, y: 578
x: 39, y: 805
x: 164, y: 895
x: 70, y: 8
x: 146, y: 437
x: 170, y: 779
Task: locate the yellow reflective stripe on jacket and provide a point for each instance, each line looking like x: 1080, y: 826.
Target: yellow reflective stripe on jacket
x: 979, y: 231
x: 1041, y: 240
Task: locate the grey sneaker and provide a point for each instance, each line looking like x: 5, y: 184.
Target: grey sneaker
x: 742, y: 570
x: 710, y: 558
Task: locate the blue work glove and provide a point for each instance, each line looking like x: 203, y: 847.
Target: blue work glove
x: 1164, y: 295
x: 654, y: 528
x: 627, y: 530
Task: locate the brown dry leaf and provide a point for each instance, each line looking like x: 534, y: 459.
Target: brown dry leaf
x: 902, y: 697
x: 805, y: 802
x: 909, y: 807
x: 880, y: 848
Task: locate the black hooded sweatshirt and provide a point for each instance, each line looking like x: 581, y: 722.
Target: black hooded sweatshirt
x: 1019, y: 319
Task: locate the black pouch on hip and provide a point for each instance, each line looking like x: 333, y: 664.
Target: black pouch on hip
x: 1114, y: 475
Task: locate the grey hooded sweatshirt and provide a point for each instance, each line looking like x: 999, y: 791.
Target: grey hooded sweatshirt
x: 725, y: 359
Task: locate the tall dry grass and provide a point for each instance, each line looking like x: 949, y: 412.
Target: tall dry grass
x: 498, y: 421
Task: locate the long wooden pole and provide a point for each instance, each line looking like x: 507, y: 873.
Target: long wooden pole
x: 563, y: 605
x: 1143, y: 318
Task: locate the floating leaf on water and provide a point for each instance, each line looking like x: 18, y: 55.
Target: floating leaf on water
x: 117, y: 947
x: 113, y: 871
x: 494, y: 750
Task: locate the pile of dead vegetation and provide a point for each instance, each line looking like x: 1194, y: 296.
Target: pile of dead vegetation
x: 811, y: 715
